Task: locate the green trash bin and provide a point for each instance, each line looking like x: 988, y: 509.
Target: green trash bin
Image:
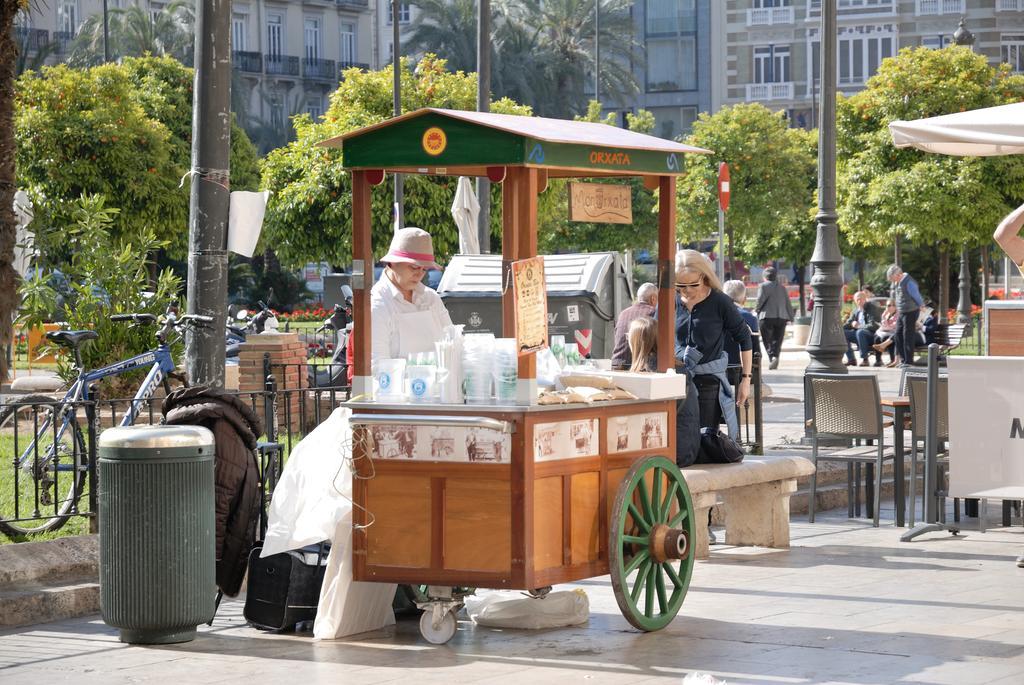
x: 157, y: 531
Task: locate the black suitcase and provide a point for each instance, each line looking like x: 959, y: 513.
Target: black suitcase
x: 284, y: 589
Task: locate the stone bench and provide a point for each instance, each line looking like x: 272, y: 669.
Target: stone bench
x: 754, y: 495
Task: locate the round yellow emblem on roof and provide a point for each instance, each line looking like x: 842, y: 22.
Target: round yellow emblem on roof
x: 434, y: 141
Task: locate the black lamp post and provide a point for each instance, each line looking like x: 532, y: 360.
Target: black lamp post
x: 827, y: 343
x: 964, y: 37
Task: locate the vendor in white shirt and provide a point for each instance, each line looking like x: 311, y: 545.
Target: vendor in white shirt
x: 406, y: 316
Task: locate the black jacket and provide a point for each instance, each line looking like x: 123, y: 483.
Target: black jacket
x: 872, y: 316
x: 235, y: 427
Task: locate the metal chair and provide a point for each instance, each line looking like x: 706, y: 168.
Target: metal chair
x: 846, y: 407
x: 917, y: 389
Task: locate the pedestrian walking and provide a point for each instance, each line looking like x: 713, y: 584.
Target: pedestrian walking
x: 908, y: 303
x: 774, y: 310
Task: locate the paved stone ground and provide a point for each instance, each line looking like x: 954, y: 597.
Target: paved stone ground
x: 847, y: 604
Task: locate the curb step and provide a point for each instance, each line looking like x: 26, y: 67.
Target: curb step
x: 29, y: 604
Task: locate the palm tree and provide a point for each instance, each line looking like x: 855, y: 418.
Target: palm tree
x: 446, y: 28
x: 543, y: 50
x: 134, y: 31
x: 8, y: 227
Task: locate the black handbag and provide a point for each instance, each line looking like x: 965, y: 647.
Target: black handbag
x: 718, y: 448
x: 284, y: 589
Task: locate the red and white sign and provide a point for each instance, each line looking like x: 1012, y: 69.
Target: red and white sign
x: 585, y: 340
x: 723, y: 186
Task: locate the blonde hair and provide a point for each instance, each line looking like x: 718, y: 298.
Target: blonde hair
x: 691, y: 260
x: 643, y: 341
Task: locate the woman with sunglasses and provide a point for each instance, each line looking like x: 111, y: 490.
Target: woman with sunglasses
x: 705, y: 320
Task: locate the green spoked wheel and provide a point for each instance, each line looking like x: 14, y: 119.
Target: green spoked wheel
x: 650, y: 556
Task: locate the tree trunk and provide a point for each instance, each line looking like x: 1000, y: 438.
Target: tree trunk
x: 731, y: 265
x: 800, y: 287
x: 860, y: 272
x: 943, y: 283
x: 8, y: 228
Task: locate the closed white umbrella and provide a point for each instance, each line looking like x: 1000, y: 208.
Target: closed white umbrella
x: 466, y: 211
x: 978, y: 133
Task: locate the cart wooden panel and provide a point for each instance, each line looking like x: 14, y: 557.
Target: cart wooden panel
x: 537, y: 518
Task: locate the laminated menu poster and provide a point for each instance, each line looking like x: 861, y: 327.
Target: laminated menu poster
x: 531, y: 301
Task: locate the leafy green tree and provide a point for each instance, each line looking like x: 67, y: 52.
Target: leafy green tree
x: 927, y: 200
x: 561, y: 235
x: 120, y: 130
x: 136, y: 31
x: 309, y: 216
x: 107, y: 275
x: 446, y: 28
x: 772, y: 169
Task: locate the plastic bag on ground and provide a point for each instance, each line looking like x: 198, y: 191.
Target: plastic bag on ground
x: 515, y: 610
x: 702, y: 679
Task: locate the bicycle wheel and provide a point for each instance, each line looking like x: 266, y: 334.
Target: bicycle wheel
x: 45, y: 488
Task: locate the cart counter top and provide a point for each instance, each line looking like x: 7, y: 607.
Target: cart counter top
x: 418, y: 407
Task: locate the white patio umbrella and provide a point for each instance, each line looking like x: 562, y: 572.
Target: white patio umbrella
x: 465, y: 211
x: 977, y: 133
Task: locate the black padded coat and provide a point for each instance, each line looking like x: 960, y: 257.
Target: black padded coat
x: 235, y: 428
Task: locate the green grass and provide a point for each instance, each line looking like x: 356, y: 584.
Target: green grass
x: 76, y: 525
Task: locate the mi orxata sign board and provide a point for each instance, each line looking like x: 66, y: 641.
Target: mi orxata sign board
x: 986, y: 427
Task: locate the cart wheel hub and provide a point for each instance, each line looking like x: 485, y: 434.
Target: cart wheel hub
x: 668, y: 543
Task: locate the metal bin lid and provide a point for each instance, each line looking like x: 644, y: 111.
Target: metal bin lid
x: 155, y: 437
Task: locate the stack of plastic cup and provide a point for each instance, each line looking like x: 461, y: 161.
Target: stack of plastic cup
x: 505, y: 370
x: 477, y: 351
x: 558, y: 348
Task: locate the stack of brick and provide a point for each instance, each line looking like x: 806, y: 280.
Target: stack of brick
x: 288, y: 366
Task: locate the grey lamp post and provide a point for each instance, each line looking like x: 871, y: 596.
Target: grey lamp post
x: 827, y: 343
x: 963, y: 308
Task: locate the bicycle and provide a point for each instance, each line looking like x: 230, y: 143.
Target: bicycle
x: 55, y: 463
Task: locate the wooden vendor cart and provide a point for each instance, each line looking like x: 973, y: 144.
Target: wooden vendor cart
x: 517, y: 496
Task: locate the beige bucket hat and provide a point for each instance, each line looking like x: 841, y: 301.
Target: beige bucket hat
x: 411, y: 245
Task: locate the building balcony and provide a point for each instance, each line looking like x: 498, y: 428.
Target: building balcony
x: 1009, y: 5
x: 251, y: 62
x: 926, y: 7
x: 281, y: 65
x: 32, y: 40
x: 319, y: 69
x: 353, y: 4
x: 769, y: 16
x: 62, y: 41
x: 769, y: 91
x: 854, y: 8
x: 343, y: 65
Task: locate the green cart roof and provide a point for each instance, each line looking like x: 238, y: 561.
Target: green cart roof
x: 445, y: 141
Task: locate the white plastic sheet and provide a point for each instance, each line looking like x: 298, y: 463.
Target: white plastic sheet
x: 515, y: 610
x: 980, y: 132
x: 312, y: 502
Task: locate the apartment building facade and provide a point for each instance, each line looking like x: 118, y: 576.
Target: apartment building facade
x: 289, y: 54
x: 770, y: 52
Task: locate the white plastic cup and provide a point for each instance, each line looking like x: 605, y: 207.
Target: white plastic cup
x: 420, y: 381
x: 389, y: 378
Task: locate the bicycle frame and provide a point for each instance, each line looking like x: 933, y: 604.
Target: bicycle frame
x: 160, y: 364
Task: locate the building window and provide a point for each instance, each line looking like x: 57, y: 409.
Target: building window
x: 1012, y: 52
x: 348, y: 42
x: 67, y: 17
x: 238, y: 33
x: 860, y: 55
x: 403, y: 13
x: 312, y: 38
x: 276, y: 103
x: 275, y: 35
x: 771, y: 64
x: 671, y: 41
x: 673, y: 123
x: 314, y: 106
